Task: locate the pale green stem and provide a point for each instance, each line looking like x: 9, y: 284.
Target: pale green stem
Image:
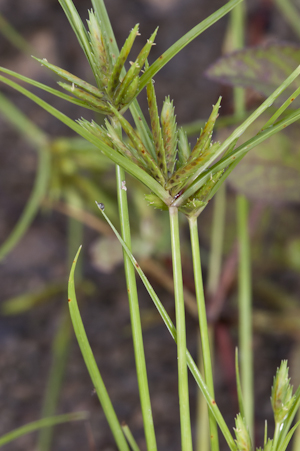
x: 171, y: 328
x: 206, y: 353
x: 217, y: 236
x: 244, y: 273
x: 276, y: 436
x: 183, y: 388
x: 202, y: 423
x: 135, y: 315
x: 214, y: 269
x: 245, y: 311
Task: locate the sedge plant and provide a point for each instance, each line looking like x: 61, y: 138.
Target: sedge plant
x: 181, y: 179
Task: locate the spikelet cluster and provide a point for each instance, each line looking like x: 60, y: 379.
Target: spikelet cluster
x: 169, y: 159
x: 114, y: 85
x: 243, y: 441
x: 282, y: 397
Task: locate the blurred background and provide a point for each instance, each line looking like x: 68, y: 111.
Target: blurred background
x: 34, y: 328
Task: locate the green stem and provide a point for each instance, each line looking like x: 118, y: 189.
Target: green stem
x: 245, y: 310
x: 244, y: 273
x: 171, y: 328
x: 183, y: 389
x: 276, y: 436
x: 202, y: 423
x: 217, y: 236
x: 135, y: 315
x: 203, y: 326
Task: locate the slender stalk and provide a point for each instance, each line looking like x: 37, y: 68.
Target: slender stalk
x: 135, y: 315
x: 217, y: 236
x: 183, y: 389
x: 244, y: 273
x: 171, y: 328
x: 245, y: 310
x: 202, y: 423
x: 203, y: 326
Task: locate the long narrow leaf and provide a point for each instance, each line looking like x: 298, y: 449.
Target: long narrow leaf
x: 239, y: 131
x: 91, y: 364
x: 78, y: 27
x: 185, y: 40
x: 171, y: 328
x: 46, y: 88
x: 44, y: 423
x: 112, y: 154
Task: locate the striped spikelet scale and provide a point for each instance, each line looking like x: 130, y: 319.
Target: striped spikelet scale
x: 156, y: 130
x: 169, y: 133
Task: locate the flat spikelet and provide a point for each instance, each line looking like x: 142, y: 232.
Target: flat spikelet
x: 89, y: 99
x: 156, y: 130
x: 119, y: 64
x: 169, y: 133
x: 134, y: 70
x: 96, y: 130
x: 152, y: 166
x: 243, y: 441
x: 204, y: 139
x: 123, y: 147
x: 184, y: 149
x: 72, y: 78
x: 101, y: 58
x: 188, y: 173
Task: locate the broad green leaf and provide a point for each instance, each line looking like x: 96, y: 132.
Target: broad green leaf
x: 261, y: 68
x: 271, y: 171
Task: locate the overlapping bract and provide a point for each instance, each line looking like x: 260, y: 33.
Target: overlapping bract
x: 114, y: 85
x: 167, y: 155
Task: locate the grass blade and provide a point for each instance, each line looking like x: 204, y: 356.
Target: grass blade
x: 92, y: 365
x: 44, y: 423
x: 112, y: 154
x: 185, y: 40
x: 46, y: 88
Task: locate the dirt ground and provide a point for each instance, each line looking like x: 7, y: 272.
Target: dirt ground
x: 41, y: 256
